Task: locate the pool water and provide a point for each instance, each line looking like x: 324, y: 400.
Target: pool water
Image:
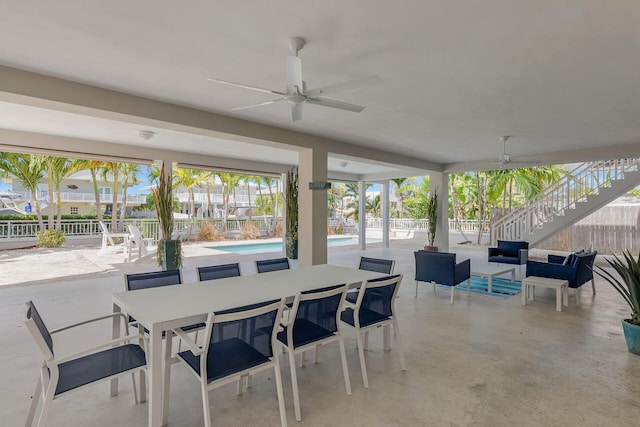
x: 258, y: 248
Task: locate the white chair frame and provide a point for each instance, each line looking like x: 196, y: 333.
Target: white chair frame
x: 49, y: 372
x: 138, y: 247
x: 337, y: 336
x: 202, y: 351
x: 392, y: 321
x: 108, y: 244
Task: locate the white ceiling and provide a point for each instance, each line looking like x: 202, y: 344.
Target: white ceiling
x: 559, y: 76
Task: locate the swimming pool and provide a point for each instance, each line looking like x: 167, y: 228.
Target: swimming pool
x: 258, y: 248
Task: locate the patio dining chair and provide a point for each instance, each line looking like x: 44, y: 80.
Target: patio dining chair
x: 378, y: 265
x: 63, y: 375
x: 267, y: 265
x: 314, y: 322
x: 214, y: 272
x: 155, y: 279
x: 374, y: 308
x: 239, y: 342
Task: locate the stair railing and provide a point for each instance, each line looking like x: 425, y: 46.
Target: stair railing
x: 573, y: 188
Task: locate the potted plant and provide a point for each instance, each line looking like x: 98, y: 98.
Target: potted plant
x: 629, y: 270
x: 169, y: 251
x: 291, y: 190
x: 432, y: 216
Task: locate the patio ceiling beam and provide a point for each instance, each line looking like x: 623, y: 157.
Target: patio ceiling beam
x: 37, y: 143
x: 37, y: 90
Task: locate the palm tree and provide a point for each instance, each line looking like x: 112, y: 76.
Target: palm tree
x: 28, y: 172
x: 129, y: 172
x: 189, y: 179
x: 399, y: 195
x: 62, y: 168
x: 374, y: 206
x: 229, y: 181
x: 113, y: 169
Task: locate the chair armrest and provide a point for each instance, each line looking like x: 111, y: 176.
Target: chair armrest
x: 523, y: 256
x: 96, y: 319
x: 463, y: 271
x: 111, y: 343
x: 550, y: 270
x: 494, y: 252
x: 556, y: 259
x: 191, y: 344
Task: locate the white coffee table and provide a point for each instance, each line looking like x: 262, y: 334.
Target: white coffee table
x: 489, y: 271
x: 560, y: 285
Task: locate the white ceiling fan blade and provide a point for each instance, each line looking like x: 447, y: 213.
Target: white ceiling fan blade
x: 259, y: 89
x: 296, y: 112
x: 331, y: 103
x: 352, y: 84
x: 294, y: 74
x: 257, y: 105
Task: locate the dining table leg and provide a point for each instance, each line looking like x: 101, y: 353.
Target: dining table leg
x: 115, y: 333
x: 155, y: 376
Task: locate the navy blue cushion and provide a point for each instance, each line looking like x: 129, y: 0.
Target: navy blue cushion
x: 352, y: 296
x: 225, y: 358
x: 304, y: 332
x: 97, y: 366
x: 367, y: 317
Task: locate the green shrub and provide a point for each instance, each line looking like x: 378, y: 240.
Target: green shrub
x: 50, y: 238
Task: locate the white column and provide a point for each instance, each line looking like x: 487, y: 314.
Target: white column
x: 440, y: 182
x: 281, y: 187
x: 384, y: 201
x: 312, y: 209
x: 362, y: 214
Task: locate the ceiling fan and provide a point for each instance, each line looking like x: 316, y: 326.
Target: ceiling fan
x: 296, y: 93
x: 505, y: 159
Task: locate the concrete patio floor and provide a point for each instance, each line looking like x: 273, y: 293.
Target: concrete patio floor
x: 482, y: 361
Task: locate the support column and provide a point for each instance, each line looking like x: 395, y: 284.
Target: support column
x: 362, y: 214
x: 384, y: 201
x: 312, y: 209
x: 440, y: 182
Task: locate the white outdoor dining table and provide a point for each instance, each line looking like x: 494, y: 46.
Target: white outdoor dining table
x: 169, y: 307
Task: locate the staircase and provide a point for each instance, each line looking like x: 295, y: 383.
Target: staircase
x: 584, y: 190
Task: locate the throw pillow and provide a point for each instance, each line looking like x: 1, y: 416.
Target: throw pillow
x: 569, y: 260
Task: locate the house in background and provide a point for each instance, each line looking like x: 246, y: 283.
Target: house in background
x: 77, y: 195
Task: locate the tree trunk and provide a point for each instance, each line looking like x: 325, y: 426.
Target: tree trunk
x: 96, y: 192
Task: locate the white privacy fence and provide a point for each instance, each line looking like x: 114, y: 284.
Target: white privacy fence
x: 149, y: 227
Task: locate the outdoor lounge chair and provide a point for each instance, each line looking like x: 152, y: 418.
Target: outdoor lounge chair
x: 509, y: 252
x: 62, y: 375
x: 108, y: 242
x: 138, y: 248
x: 441, y: 268
x: 576, y: 268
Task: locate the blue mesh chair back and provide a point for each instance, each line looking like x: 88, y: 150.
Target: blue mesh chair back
x: 239, y: 344
x: 316, y: 317
x: 218, y: 271
x: 32, y: 314
x: 152, y: 279
x: 377, y: 302
x: 266, y: 265
x: 376, y: 264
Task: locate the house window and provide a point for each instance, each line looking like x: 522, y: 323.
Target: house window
x: 74, y: 210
